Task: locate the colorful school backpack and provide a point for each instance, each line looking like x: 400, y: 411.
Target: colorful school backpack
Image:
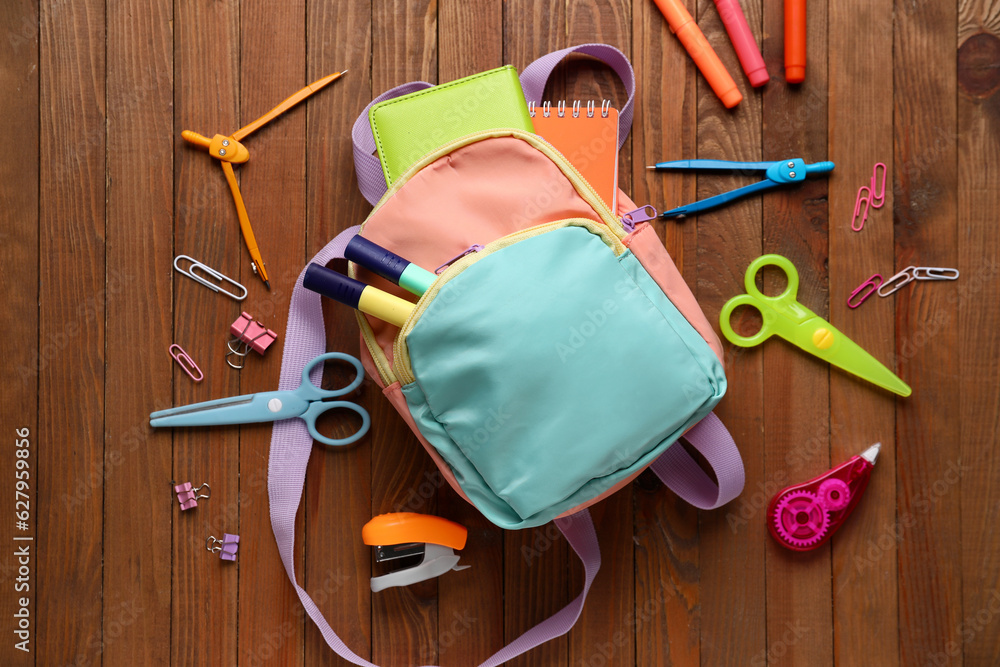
x: 558, y: 354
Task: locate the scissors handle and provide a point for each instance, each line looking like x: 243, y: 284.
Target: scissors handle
x: 791, y: 275
x: 770, y: 307
x: 312, y: 391
x: 319, y: 407
x: 727, y: 328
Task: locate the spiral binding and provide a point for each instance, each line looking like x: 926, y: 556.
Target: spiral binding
x: 576, y: 108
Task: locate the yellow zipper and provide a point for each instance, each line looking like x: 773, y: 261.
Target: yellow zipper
x: 583, y: 188
x: 401, y: 353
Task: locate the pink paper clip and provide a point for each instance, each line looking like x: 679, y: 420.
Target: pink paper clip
x: 248, y: 334
x: 185, y: 361
x: 878, y: 198
x: 188, y: 497
x: 872, y: 284
x: 864, y: 197
x: 226, y: 547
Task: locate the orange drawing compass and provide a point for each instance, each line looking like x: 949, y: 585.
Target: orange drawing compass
x: 228, y: 151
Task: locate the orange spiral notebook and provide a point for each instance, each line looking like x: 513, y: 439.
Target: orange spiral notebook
x: 587, y: 137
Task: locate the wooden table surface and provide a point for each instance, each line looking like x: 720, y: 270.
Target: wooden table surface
x: 100, y: 193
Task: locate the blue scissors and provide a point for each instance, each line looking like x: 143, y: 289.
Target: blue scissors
x: 775, y: 174
x: 307, y: 403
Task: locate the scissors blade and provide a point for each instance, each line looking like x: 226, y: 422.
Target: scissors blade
x: 822, y: 339
x: 248, y: 409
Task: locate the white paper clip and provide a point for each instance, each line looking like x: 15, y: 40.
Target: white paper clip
x: 192, y: 272
x: 911, y: 273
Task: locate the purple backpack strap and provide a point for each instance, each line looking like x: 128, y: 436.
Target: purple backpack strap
x: 536, y: 75
x: 371, y: 180
x: 682, y: 474
x: 291, y: 444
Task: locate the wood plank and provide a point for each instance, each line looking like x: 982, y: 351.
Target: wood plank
x: 728, y: 240
x: 796, y: 225
x: 338, y: 483
x: 864, y: 555
x: 976, y: 297
x: 206, y: 101
x: 404, y: 620
x: 20, y: 347
x: 470, y: 607
x: 137, y: 495
x: 666, y: 618
x: 73, y: 299
x: 925, y: 211
x: 536, y: 579
x: 273, y: 183
x: 603, y: 633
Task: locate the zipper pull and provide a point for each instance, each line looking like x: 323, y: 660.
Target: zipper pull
x: 472, y: 248
x: 641, y: 214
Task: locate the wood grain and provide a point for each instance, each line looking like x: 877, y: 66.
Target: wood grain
x: 99, y: 194
x: 19, y: 158
x: 978, y: 252
x: 272, y: 61
x: 137, y: 495
x: 204, y: 621
x: 536, y: 580
x: 666, y: 618
x: 470, y: 624
x: 796, y: 226
x: 338, y: 498
x: 865, y: 587
x: 603, y: 632
x: 929, y: 470
x: 404, y: 620
x: 73, y: 296
x: 728, y: 240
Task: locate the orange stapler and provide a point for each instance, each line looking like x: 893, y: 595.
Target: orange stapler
x: 228, y: 151
x: 407, y: 534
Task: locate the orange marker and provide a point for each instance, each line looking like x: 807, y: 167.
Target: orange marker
x: 795, y: 41
x: 682, y: 25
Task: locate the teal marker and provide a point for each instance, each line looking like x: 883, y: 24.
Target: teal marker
x: 389, y: 265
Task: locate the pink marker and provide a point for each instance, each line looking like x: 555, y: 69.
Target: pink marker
x: 746, y: 46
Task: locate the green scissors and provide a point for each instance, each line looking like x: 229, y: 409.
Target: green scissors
x: 785, y: 316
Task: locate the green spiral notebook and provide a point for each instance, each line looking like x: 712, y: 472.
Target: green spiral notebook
x: 409, y: 127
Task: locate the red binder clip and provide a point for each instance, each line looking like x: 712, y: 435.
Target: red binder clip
x: 248, y: 334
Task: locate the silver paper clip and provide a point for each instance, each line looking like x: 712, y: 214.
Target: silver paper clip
x: 192, y: 272
x: 911, y: 273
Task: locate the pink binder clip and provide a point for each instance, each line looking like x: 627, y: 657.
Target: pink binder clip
x: 248, y: 334
x: 226, y: 547
x: 188, y: 497
x: 864, y: 290
x: 186, y: 363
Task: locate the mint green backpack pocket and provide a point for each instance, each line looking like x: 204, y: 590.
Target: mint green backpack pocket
x: 513, y: 366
